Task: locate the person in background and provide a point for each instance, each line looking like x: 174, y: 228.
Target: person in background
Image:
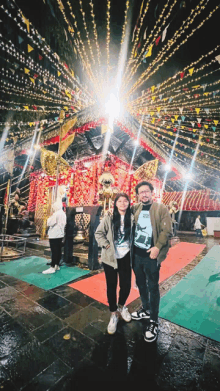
x: 198, y: 227
x: 56, y: 224
x: 153, y: 228
x: 113, y: 235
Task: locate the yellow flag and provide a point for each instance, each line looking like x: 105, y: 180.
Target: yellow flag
x: 31, y: 79
x: 149, y: 52
x: 194, y: 130
x: 196, y: 86
x: 26, y: 107
x: 152, y: 88
x: 68, y: 94
x: 66, y: 143
x: 176, y: 116
x: 67, y: 126
x: 197, y: 110
x: 191, y: 71
x: 153, y: 98
x: 206, y: 93
x: 216, y: 122
x: 158, y: 109
x: 104, y: 129
x: 153, y: 120
x: 206, y: 126
x: 172, y: 119
x: 26, y: 21
x: 59, y: 73
x: 26, y: 70
x: 30, y: 48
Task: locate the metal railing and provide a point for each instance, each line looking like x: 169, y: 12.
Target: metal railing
x: 12, y: 247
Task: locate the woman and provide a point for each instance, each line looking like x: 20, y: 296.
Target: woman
x: 114, y: 236
x: 56, y: 224
x: 198, y: 227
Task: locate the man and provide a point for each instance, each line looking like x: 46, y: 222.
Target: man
x: 153, y: 228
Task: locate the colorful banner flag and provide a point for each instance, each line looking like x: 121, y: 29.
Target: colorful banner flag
x: 66, y: 143
x: 67, y: 126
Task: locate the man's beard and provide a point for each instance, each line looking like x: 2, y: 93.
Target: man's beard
x: 146, y: 203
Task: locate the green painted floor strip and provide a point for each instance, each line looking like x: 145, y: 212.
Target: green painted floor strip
x: 30, y: 270
x: 194, y: 303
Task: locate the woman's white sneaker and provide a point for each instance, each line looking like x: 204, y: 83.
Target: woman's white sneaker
x: 49, y: 271
x: 125, y: 314
x: 112, y: 326
x: 57, y: 267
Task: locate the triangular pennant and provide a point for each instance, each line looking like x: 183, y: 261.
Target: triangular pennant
x: 191, y: 71
x: 149, y: 52
x: 32, y: 80
x: 181, y: 109
x: 29, y: 48
x: 207, y: 111
x: 199, y: 120
x: 20, y: 39
x: 152, y: 88
x: 26, y: 21
x: 58, y: 73
x: 158, y: 40
x: 26, y: 70
x: 176, y: 116
x: 183, y: 117
x: 218, y: 58
x: 164, y: 33
x: 213, y: 127
x: 204, y: 86
x: 40, y: 57
x: 182, y: 74
x: 215, y: 122
x: 197, y: 110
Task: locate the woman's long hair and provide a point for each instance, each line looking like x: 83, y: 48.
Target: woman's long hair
x: 117, y: 218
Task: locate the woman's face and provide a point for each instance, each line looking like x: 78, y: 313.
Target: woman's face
x: 122, y: 204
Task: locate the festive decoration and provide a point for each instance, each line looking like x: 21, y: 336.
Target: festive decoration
x: 147, y: 171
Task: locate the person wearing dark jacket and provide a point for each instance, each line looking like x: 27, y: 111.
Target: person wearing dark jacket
x: 113, y: 235
x: 153, y: 228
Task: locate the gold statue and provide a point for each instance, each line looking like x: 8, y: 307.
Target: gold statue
x: 108, y: 193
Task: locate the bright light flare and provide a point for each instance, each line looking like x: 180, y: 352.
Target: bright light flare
x: 188, y: 176
x: 167, y: 167
x: 112, y: 108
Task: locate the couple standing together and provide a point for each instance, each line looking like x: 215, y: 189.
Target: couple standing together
x: 135, y: 237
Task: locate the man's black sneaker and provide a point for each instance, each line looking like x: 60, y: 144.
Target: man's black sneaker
x: 140, y: 314
x: 151, y: 332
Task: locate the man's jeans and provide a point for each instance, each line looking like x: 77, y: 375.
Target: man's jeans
x: 147, y: 278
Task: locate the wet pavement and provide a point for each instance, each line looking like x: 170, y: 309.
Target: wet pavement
x: 57, y: 340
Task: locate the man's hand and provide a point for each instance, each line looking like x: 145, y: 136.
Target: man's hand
x: 154, y: 251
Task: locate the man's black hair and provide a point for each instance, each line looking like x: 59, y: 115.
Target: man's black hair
x: 144, y: 183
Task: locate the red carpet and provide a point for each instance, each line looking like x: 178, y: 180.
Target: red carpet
x: 178, y: 257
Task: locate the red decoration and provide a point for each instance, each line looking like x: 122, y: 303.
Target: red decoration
x: 158, y: 40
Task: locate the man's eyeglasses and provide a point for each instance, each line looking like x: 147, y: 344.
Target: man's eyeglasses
x: 145, y: 192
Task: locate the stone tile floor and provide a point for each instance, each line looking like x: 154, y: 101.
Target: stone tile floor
x: 57, y: 340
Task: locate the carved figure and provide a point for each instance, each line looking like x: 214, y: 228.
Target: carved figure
x: 108, y: 193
